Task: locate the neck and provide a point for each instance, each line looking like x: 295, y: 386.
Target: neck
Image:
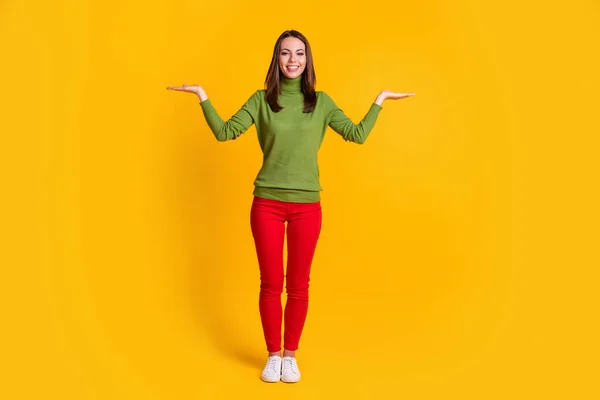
x: 288, y: 85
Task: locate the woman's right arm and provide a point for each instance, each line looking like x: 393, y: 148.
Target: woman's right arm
x: 231, y: 129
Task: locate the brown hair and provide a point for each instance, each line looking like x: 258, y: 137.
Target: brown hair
x: 272, y: 81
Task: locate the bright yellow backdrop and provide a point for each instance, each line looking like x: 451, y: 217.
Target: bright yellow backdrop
x: 459, y: 252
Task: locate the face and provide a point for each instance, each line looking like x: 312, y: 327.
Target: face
x: 292, y: 57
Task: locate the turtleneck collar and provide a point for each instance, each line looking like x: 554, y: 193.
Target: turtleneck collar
x: 288, y: 85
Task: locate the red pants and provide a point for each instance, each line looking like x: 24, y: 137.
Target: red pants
x: 267, y: 220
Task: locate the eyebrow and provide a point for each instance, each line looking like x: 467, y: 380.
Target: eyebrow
x: 290, y: 50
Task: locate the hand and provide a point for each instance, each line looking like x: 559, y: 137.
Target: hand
x: 196, y: 89
x: 386, y: 94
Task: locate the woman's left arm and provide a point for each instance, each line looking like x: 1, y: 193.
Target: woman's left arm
x: 358, y: 133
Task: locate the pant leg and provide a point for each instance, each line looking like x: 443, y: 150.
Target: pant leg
x: 303, y: 230
x: 267, y: 220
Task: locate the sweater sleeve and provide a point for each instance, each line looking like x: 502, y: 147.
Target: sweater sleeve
x: 239, y: 123
x: 343, y: 125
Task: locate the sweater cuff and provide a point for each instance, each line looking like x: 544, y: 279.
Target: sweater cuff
x: 206, y: 103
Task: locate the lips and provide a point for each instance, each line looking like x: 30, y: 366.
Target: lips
x: 292, y: 67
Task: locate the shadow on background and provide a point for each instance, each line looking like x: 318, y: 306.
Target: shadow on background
x: 207, y: 243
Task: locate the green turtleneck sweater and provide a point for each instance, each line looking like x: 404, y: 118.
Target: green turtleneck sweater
x: 289, y: 139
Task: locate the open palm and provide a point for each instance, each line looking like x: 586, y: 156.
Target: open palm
x: 395, y: 95
x: 196, y: 89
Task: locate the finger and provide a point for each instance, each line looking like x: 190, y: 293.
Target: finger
x: 180, y: 88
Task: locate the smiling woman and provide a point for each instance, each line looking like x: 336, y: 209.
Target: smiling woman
x: 292, y: 58
x: 291, y: 119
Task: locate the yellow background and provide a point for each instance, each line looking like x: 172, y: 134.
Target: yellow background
x: 459, y: 252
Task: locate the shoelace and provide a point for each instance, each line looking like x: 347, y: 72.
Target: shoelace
x: 291, y: 365
x: 273, y: 364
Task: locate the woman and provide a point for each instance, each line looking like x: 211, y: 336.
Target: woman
x: 291, y: 119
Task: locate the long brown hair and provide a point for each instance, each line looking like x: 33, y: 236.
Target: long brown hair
x: 272, y: 82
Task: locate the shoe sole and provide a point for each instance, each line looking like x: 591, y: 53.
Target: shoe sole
x: 269, y: 381
x: 290, y: 380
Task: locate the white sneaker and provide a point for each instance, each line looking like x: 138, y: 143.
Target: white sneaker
x: 272, y: 371
x: 289, y: 370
